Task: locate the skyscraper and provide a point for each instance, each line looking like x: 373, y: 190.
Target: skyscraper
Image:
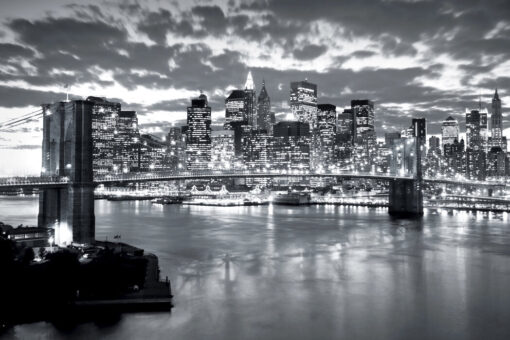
x: 474, y: 123
x: 104, y: 121
x: 290, y: 146
x: 127, y: 137
x: 346, y: 127
x: 496, y: 139
x: 496, y: 118
x: 326, y: 117
x: 235, y: 108
x: 250, y: 101
x: 255, y: 149
x: 303, y: 101
x: 222, y: 149
x: 264, y: 119
x: 198, y: 136
x: 176, y: 141
x: 449, y: 131
x: 363, y: 112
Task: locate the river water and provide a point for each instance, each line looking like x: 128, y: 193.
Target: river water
x: 318, y: 272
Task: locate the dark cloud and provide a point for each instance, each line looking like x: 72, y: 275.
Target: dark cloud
x: 309, y: 52
x: 18, y: 97
x: 8, y: 51
x: 212, y: 18
x: 76, y: 49
x: 362, y: 54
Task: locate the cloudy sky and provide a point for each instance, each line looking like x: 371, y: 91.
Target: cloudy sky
x: 413, y: 58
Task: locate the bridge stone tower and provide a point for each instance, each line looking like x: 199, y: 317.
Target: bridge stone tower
x: 406, y: 195
x: 67, y: 151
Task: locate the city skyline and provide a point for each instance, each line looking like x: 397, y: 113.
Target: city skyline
x: 155, y: 66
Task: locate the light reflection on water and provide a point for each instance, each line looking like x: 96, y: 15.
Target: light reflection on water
x: 276, y: 272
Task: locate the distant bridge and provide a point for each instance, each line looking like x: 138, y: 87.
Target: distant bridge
x: 44, y: 182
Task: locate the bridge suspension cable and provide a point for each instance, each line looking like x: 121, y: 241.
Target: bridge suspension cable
x: 20, y: 120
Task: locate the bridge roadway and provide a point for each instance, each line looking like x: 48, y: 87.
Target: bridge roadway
x: 43, y: 182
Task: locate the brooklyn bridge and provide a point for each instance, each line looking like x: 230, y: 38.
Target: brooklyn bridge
x: 66, y: 186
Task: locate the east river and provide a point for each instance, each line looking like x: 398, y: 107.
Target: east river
x: 317, y: 272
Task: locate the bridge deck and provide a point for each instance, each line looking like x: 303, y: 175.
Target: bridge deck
x: 60, y: 182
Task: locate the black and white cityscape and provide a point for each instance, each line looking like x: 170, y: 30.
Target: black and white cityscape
x: 254, y: 169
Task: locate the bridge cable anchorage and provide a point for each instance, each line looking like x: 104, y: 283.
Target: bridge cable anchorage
x: 13, y: 122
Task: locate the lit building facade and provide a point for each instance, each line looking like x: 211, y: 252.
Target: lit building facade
x: 152, y: 154
x: 496, y: 117
x: 497, y: 163
x: 326, y: 127
x: 127, y: 137
x: 303, y: 101
x: 250, y: 101
x: 455, y: 158
x: 264, y: 114
x: 346, y: 127
x: 290, y: 146
x: 474, y: 137
x: 198, y: 135
x: 497, y: 139
x: 449, y: 131
x: 176, y: 141
x: 104, y: 121
x: 235, y: 108
x: 255, y: 149
x: 363, y: 112
x: 222, y: 149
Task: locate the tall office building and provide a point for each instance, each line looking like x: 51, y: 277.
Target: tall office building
x: 255, y: 149
x: 222, y: 149
x: 476, y: 164
x: 484, y: 130
x: 363, y: 113
x: 496, y: 117
x: 290, y: 146
x: 152, y: 154
x: 198, y: 136
x: 449, y: 131
x: 496, y: 139
x: 476, y: 129
x: 104, y: 121
x: 434, y: 143
x: 235, y: 108
x: 455, y: 156
x: 303, y: 101
x: 250, y: 101
x: 496, y: 163
x: 264, y: 117
x: 176, y: 141
x: 291, y: 129
x: 346, y: 127
x: 326, y: 127
x: 127, y: 137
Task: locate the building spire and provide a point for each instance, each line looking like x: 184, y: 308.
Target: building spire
x: 249, y: 85
x: 496, y: 95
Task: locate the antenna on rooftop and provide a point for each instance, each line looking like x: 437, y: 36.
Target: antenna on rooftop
x: 66, y: 87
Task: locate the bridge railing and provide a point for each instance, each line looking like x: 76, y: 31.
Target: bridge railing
x: 162, y: 175
x: 29, y: 180
x: 238, y: 173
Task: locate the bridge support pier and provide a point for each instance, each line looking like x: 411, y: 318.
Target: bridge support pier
x: 67, y: 151
x: 406, y: 197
